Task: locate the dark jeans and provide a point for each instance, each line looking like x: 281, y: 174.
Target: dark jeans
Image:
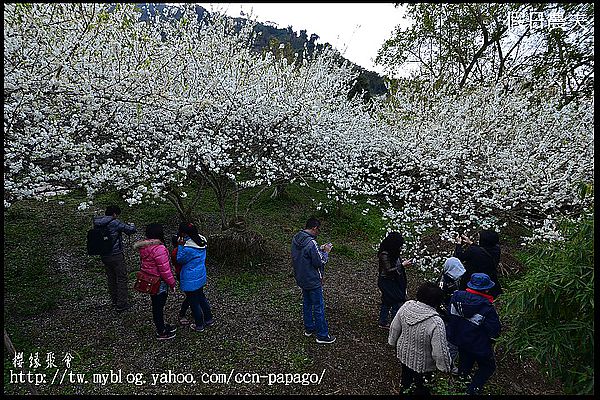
x: 116, y: 274
x: 384, y: 313
x: 486, y: 367
x: 158, y: 306
x: 200, y: 307
x: 185, y: 304
x: 410, y: 377
x: 392, y: 297
x: 313, y: 312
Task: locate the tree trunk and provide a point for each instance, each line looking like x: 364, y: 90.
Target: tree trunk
x: 279, y: 192
x: 221, y: 198
x: 182, y: 213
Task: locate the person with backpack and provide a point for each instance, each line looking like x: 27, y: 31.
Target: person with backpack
x: 154, y: 258
x: 114, y: 258
x: 449, y: 282
x: 185, y: 305
x: 419, y: 335
x: 392, y: 277
x: 191, y: 254
x: 483, y: 258
x: 450, y: 279
x: 308, y: 260
x: 473, y: 325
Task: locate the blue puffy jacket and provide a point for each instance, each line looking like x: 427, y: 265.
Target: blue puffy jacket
x: 115, y: 228
x: 193, y: 265
x: 309, y: 260
x: 473, y: 323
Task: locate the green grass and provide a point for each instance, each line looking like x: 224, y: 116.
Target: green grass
x: 28, y: 259
x: 299, y: 360
x: 442, y: 384
x: 243, y: 285
x: 286, y: 301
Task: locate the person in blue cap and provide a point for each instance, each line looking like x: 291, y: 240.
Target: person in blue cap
x: 473, y: 325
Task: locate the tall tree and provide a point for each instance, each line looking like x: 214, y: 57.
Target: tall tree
x: 533, y: 44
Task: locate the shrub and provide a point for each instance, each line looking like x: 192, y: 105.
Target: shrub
x: 550, y: 310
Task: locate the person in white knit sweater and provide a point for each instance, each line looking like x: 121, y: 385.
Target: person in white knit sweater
x: 419, y: 334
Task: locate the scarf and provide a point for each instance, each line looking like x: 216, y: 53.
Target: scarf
x: 487, y: 296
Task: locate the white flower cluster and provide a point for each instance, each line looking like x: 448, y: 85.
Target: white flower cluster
x: 96, y: 100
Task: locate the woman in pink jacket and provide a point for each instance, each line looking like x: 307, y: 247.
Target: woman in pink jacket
x: 155, y: 261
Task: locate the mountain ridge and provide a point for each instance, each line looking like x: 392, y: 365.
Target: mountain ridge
x: 367, y: 84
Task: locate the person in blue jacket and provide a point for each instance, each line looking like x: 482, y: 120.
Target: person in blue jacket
x: 309, y: 259
x: 473, y: 325
x: 191, y: 254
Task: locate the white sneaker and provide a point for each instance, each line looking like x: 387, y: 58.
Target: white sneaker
x: 328, y: 339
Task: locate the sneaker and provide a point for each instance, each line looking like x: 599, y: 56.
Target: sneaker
x: 165, y: 336
x: 170, y: 328
x: 209, y: 322
x: 474, y: 390
x: 308, y: 333
x: 195, y: 328
x: 328, y: 339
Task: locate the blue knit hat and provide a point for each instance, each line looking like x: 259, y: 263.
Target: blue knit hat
x: 480, y: 281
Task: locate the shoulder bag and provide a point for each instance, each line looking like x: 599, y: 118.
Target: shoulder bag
x: 147, y: 283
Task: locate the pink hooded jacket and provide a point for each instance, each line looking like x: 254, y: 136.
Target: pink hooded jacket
x: 155, y: 259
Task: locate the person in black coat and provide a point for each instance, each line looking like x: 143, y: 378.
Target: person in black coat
x: 483, y: 258
x: 392, y: 277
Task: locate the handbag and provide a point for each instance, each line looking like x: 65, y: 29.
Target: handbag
x: 147, y: 283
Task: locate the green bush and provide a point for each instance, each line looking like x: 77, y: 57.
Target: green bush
x: 550, y: 310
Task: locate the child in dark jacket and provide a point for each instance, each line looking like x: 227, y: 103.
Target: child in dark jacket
x: 185, y: 304
x: 473, y: 326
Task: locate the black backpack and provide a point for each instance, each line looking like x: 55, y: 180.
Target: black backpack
x: 99, y: 242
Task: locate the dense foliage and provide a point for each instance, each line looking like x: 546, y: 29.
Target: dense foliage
x: 550, y: 310
x: 105, y: 102
x: 486, y: 158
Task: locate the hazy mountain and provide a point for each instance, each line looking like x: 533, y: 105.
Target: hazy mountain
x: 368, y: 83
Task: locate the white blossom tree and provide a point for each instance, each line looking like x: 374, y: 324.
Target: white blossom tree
x: 96, y: 100
x: 485, y: 159
x: 152, y: 105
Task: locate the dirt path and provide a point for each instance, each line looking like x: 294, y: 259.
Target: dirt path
x: 258, y: 331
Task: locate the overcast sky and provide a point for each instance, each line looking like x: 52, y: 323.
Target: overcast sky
x: 357, y: 30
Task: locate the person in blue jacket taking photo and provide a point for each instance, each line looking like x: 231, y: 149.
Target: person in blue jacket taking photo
x: 309, y: 259
x: 191, y: 254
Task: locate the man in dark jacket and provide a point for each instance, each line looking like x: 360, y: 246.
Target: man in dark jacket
x: 309, y: 261
x: 483, y: 258
x: 114, y: 262
x: 473, y: 324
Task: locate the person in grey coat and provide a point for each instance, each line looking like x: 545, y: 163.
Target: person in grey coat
x: 114, y: 262
x: 419, y: 334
